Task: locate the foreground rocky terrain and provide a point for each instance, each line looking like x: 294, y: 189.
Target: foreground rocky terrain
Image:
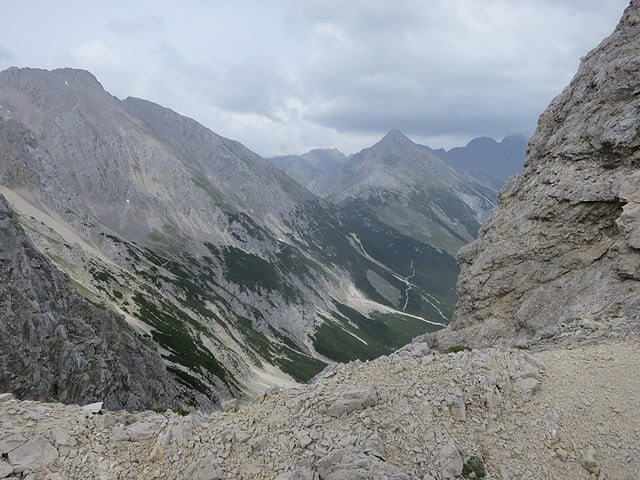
x: 560, y: 413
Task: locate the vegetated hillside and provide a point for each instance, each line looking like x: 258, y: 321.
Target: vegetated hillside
x: 241, y: 276
x: 56, y: 345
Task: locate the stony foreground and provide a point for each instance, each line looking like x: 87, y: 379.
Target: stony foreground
x: 557, y: 414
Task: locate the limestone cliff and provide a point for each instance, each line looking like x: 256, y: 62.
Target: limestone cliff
x: 563, y: 246
x: 56, y: 345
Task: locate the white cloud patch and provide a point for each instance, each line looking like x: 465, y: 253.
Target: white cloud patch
x: 96, y: 54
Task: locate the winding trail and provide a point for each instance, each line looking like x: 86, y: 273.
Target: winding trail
x: 408, y: 289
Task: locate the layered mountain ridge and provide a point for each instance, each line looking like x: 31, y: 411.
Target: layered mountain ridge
x: 435, y: 196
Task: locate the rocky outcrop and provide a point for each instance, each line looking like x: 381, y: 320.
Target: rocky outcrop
x: 562, y: 250
x: 57, y: 346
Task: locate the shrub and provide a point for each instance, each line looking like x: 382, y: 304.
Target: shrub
x: 474, y: 468
x: 457, y: 348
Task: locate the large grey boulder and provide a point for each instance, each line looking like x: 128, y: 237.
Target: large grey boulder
x: 354, y: 400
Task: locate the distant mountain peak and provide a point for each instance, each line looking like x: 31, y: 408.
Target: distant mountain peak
x: 482, y: 141
x: 396, y: 137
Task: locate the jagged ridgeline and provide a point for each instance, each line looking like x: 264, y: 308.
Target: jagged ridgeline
x: 240, y: 276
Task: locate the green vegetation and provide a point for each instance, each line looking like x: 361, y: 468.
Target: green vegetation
x: 171, y: 330
x: 15, y: 217
x: 521, y: 347
x: 82, y: 290
x: 457, y: 348
x: 474, y: 468
x: 183, y: 412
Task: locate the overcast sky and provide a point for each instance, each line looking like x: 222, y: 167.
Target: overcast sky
x: 285, y: 76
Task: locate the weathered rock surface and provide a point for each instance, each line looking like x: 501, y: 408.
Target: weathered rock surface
x: 561, y: 253
x: 56, y: 345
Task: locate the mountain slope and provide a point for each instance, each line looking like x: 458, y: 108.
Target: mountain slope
x: 569, y: 228
x: 241, y: 276
x: 56, y: 345
x: 412, y: 190
x: 318, y: 170
x: 488, y: 162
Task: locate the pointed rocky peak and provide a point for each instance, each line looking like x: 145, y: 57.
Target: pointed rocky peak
x: 395, y: 140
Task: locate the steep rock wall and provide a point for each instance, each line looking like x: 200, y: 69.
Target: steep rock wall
x: 563, y: 245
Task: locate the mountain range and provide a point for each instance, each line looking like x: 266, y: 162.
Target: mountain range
x: 241, y: 277
x: 438, y: 197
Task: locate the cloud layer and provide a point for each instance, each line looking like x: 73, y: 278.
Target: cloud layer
x: 290, y: 75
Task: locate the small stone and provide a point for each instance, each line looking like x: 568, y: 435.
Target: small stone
x: 231, y: 405
x: 450, y: 461
x: 305, y: 441
x: 62, y: 438
x: 258, y: 443
x: 5, y: 469
x: 92, y: 408
x: 298, y: 474
x: 140, y: 431
x: 34, y: 454
x: 589, y: 462
x: 354, y: 400
x: 6, y: 397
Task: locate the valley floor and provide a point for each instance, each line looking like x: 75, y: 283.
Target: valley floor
x: 562, y: 413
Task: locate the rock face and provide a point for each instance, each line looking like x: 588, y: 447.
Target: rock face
x: 562, y: 249
x: 56, y: 345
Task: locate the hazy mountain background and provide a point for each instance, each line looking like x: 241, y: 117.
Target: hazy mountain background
x: 439, y: 197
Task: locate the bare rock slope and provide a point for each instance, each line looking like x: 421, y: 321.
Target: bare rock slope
x: 563, y: 245
x: 56, y: 345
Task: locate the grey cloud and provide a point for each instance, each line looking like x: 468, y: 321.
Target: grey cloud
x: 294, y: 74
x: 441, y: 68
x: 136, y: 28
x: 5, y: 54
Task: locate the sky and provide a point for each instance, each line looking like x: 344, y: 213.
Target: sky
x: 285, y: 76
